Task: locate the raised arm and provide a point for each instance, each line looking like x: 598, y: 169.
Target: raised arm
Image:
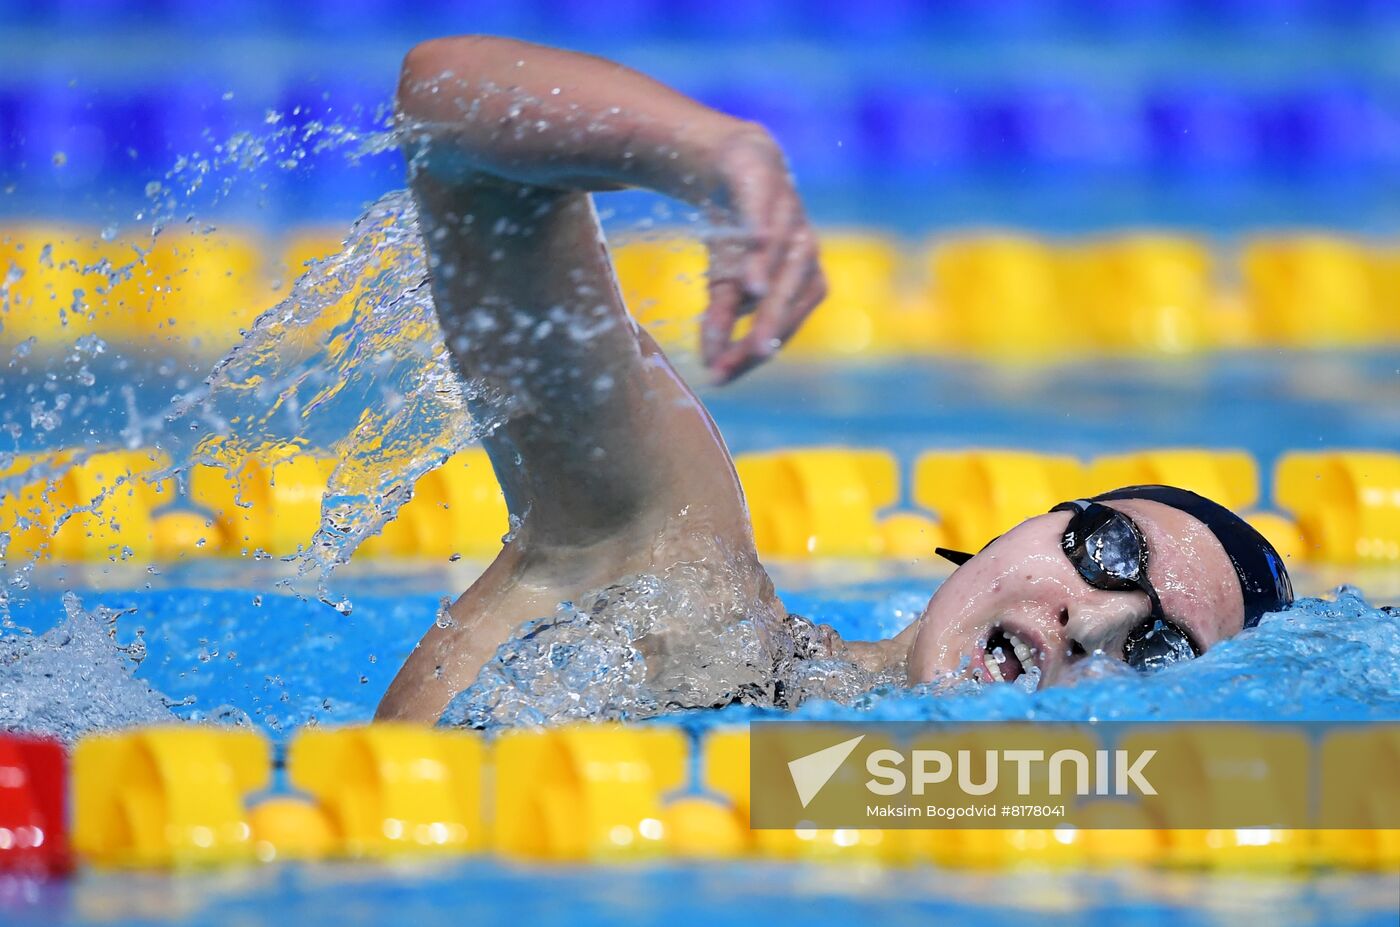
x: 605, y: 456
x: 565, y: 121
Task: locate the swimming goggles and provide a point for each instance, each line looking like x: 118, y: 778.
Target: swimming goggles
x: 1109, y: 552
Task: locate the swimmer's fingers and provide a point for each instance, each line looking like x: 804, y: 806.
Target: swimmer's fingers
x: 729, y: 297
x: 721, y: 315
x: 799, y: 288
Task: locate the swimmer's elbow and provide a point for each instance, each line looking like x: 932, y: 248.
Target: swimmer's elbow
x: 464, y: 57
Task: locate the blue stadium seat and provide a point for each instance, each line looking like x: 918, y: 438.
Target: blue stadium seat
x: 331, y: 182
x: 846, y: 21
x: 751, y: 19
x: 1051, y: 126
x: 429, y: 18
x: 223, y: 15
x: 915, y: 127
x: 576, y: 21
x: 1200, y: 126
x: 819, y: 130
x: 57, y: 135
x: 1328, y: 126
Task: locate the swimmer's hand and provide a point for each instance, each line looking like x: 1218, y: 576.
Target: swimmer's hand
x: 764, y: 261
x: 543, y: 117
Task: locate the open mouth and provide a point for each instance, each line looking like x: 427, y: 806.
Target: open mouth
x: 1008, y: 657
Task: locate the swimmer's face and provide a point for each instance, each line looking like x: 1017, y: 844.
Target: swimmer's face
x: 1023, y: 596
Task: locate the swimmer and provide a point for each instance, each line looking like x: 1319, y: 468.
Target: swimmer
x: 611, y: 466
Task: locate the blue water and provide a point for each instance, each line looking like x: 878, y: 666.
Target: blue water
x: 221, y: 644
x: 488, y: 893
x: 285, y: 661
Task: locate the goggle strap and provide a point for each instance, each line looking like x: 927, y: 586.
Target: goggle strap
x: 957, y: 557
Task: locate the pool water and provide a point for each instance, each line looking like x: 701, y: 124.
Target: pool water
x: 90, y: 647
x: 478, y: 892
x: 222, y: 641
x: 230, y: 642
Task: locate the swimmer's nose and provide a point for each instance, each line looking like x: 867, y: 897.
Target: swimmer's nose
x: 1100, y: 622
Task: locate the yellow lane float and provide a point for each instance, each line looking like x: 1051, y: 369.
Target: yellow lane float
x: 1229, y: 477
x: 862, y: 272
x: 393, y: 789
x: 176, y: 796
x: 1000, y: 295
x: 585, y: 791
x: 286, y: 828
x: 725, y: 771
x: 1337, y: 506
x: 664, y: 284
x: 1227, y: 770
x: 268, y: 500
x: 105, y: 504
x: 167, y: 796
x: 818, y: 501
x: 979, y: 494
x: 1347, y: 503
x: 27, y: 513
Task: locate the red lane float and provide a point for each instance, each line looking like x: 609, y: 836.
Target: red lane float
x: 33, y: 783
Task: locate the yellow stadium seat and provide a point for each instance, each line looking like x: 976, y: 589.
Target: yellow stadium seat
x: 1002, y: 296
x: 1142, y: 292
x: 1312, y: 291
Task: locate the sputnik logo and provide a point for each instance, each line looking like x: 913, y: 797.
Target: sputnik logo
x: 812, y: 772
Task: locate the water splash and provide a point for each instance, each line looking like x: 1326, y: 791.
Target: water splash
x: 1322, y: 659
x: 703, y: 633
x: 352, y: 361
x: 75, y: 678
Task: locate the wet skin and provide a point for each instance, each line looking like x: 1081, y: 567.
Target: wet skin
x: 1024, y: 584
x: 608, y: 462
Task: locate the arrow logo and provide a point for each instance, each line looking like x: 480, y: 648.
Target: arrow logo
x: 813, y: 771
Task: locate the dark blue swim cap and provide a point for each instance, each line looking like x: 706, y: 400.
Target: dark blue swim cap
x: 1263, y: 578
